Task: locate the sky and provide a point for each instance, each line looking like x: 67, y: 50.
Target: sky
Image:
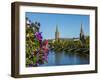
x: 68, y: 24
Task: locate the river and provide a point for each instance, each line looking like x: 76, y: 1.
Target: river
x: 65, y: 58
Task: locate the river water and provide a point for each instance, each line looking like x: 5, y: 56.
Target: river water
x: 65, y: 58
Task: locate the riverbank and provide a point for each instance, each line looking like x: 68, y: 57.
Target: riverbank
x: 81, y: 51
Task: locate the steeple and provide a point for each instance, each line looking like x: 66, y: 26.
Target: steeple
x: 56, y: 28
x: 56, y: 33
x: 81, y: 31
x: 82, y: 36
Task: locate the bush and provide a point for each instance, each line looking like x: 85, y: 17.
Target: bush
x: 36, y: 49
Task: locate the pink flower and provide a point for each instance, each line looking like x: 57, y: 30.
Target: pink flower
x: 38, y: 36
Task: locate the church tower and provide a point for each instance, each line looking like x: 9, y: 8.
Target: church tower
x: 82, y: 36
x: 56, y: 33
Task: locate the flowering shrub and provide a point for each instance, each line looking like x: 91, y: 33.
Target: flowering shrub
x: 36, y: 48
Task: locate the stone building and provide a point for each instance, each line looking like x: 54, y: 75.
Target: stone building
x: 82, y: 36
x: 57, y: 34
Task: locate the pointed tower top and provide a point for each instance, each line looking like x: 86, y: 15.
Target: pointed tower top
x: 81, y: 30
x: 56, y: 28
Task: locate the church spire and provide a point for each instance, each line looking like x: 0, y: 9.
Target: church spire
x: 81, y: 31
x: 56, y: 33
x: 82, y: 36
x: 57, y: 28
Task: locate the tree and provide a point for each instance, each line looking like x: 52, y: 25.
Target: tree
x: 87, y: 41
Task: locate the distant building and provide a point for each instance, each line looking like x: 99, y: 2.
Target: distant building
x: 76, y: 39
x: 82, y: 36
x: 57, y: 34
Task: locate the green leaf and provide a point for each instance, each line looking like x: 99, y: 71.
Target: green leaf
x: 34, y: 59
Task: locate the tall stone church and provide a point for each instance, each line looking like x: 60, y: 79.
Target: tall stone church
x: 82, y: 36
x: 57, y: 34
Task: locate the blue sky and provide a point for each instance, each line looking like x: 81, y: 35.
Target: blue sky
x: 68, y: 24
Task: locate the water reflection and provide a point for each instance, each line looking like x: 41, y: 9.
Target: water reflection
x: 65, y: 58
